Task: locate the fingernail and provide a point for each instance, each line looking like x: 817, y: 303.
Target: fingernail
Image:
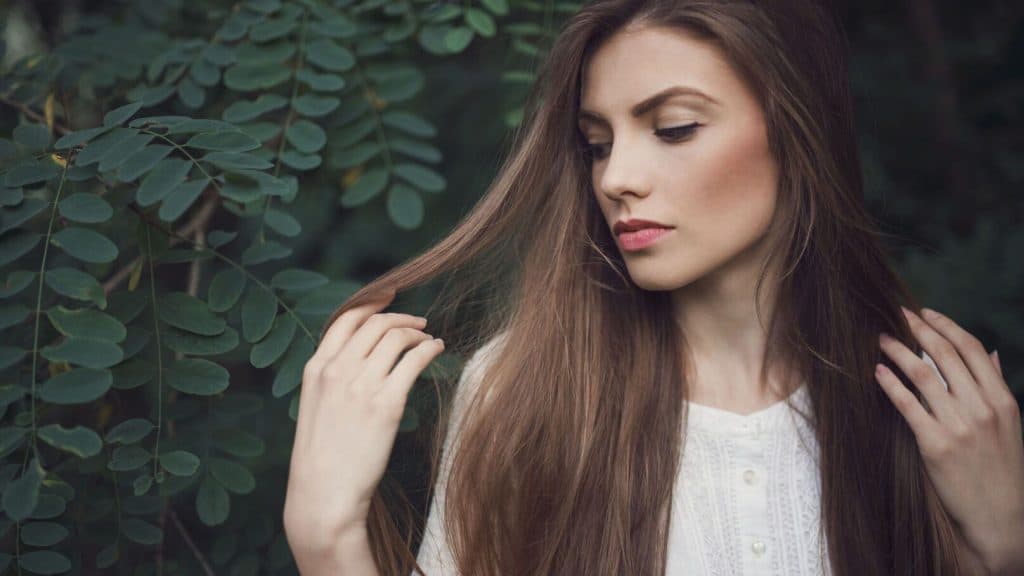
x: 929, y: 313
x: 995, y: 353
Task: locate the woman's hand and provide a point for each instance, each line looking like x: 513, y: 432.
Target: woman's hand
x: 352, y: 399
x: 970, y: 440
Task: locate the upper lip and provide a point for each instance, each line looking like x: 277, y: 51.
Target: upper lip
x: 635, y: 224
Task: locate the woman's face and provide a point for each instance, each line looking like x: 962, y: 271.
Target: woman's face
x: 698, y: 164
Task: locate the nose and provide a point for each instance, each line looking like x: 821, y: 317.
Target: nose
x: 625, y: 171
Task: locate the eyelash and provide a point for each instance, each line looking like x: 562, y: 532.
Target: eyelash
x: 673, y: 134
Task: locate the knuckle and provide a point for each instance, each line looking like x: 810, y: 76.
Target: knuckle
x: 1008, y: 407
x: 920, y: 372
x: 311, y: 371
x: 986, y: 418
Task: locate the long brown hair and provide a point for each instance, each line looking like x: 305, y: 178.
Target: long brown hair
x: 568, y: 467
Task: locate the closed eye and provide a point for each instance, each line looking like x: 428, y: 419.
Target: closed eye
x: 673, y: 134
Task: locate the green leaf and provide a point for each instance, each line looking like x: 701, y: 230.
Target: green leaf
x: 16, y: 244
x: 315, y: 106
x: 235, y: 160
x: 271, y: 53
x: 289, y: 373
x: 85, y: 244
x: 225, y: 289
x: 9, y: 356
x: 191, y: 94
x: 420, y: 176
x: 329, y: 56
x: 84, y: 352
x: 369, y: 185
x: 306, y: 136
x: 245, y: 110
x: 264, y: 252
x: 122, y: 150
x: 499, y: 7
x: 320, y: 82
x: 262, y: 76
x: 197, y: 376
x: 282, y: 222
x: 167, y: 174
x: 213, y: 504
x: 141, y: 532
x: 140, y: 162
x: 196, y: 345
x: 258, y: 311
x: 43, y: 534
x: 79, y: 440
x: 45, y: 562
x: 203, y: 73
x: 297, y: 280
x: 13, y: 315
x: 358, y: 154
x: 186, y: 125
x: 12, y: 218
x: 182, y: 310
x: 21, y: 495
x: 457, y: 39
x: 481, y: 22
x: 416, y: 149
x: 239, y: 443
x: 181, y: 198
x: 31, y: 172
x: 405, y: 207
x: 300, y: 162
x: 32, y: 137
x: 76, y: 284
x: 17, y: 280
x: 180, y: 462
x: 79, y: 137
x: 130, y: 431
x: 226, y: 141
x: 409, y: 123
x: 119, y: 115
x: 126, y: 458
x: 98, y: 149
x: 86, y: 323
x: 273, y: 346
x: 86, y: 208
x: 232, y: 475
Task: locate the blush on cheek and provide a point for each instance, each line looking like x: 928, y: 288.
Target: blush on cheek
x: 738, y: 180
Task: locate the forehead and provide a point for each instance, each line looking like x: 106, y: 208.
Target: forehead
x: 637, y: 62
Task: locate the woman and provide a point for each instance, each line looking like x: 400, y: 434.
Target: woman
x: 760, y: 288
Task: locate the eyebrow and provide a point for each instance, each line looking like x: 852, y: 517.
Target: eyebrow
x: 652, y: 102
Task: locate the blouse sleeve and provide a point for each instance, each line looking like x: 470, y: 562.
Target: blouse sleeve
x: 435, y: 555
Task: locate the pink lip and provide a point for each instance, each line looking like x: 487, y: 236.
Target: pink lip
x: 640, y: 239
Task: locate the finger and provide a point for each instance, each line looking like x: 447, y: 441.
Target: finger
x: 309, y: 391
x: 989, y: 381
x: 346, y: 324
x: 950, y: 364
x: 924, y: 425
x: 366, y: 337
x: 995, y: 362
x: 384, y: 356
x: 923, y: 377
x: 409, y: 368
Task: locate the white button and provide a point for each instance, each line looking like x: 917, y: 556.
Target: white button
x: 758, y: 547
x: 749, y: 476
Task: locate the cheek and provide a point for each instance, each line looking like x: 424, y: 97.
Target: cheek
x: 733, y: 184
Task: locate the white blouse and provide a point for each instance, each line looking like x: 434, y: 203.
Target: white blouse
x: 746, y: 501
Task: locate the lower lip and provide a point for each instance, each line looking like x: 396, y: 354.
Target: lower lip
x: 640, y: 239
